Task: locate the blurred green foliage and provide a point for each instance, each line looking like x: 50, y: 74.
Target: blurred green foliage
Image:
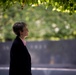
x: 43, y: 24
x: 59, y: 5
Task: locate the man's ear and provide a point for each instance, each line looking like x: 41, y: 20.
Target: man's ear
x: 21, y: 33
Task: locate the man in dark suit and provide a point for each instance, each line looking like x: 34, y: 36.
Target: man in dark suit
x: 20, y: 60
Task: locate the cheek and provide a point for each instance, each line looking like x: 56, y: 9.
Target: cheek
x: 26, y: 32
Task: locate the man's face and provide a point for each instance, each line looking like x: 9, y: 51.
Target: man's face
x: 24, y: 33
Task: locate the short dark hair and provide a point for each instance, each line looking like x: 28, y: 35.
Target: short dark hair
x: 18, y: 26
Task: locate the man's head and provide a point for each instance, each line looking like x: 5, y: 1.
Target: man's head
x: 18, y: 27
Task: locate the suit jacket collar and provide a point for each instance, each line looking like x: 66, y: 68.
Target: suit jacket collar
x: 19, y: 40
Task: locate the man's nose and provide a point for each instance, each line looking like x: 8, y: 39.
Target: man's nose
x: 27, y: 30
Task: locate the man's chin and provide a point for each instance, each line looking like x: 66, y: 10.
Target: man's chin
x: 26, y: 36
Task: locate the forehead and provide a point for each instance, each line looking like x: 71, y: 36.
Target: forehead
x: 25, y: 27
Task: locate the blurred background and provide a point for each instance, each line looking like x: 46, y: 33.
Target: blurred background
x: 51, y: 41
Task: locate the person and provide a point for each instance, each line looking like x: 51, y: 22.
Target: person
x: 20, y: 59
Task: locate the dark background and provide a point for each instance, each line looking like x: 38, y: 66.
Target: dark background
x: 45, y: 53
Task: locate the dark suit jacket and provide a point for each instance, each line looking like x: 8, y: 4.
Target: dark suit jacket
x: 20, y: 60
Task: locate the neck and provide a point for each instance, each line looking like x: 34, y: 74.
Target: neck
x: 22, y: 38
